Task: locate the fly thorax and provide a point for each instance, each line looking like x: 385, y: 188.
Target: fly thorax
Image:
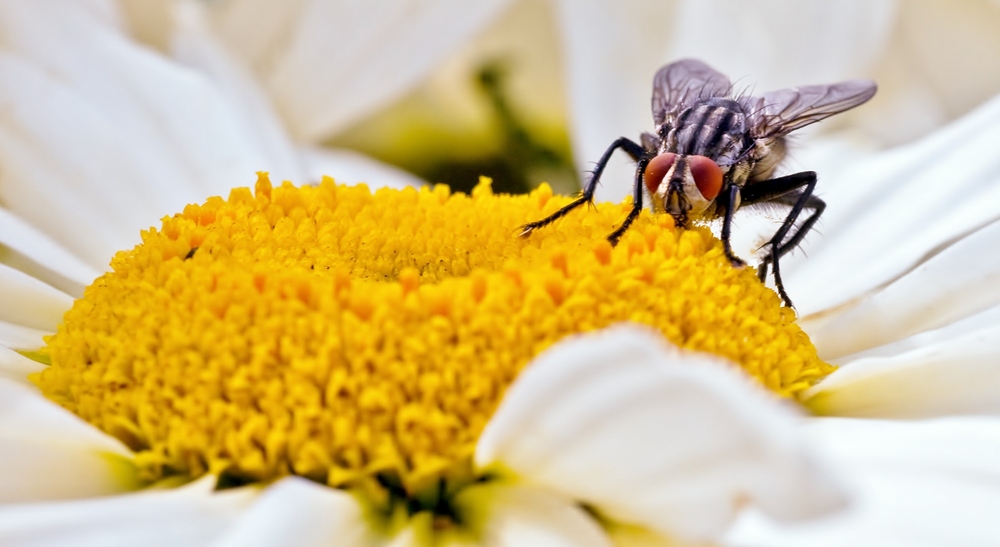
x: 769, y: 153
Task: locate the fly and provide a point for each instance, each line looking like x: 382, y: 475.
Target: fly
x: 714, y: 151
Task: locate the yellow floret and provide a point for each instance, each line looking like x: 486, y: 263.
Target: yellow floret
x: 345, y: 335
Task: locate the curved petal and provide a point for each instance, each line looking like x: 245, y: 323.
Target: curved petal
x: 257, y: 31
x: 46, y: 453
x: 511, y: 516
x: 922, y: 84
x: 191, y: 515
x: 295, y: 511
x: 49, y: 261
x: 956, y: 375
x: 30, y: 303
x: 819, y: 43
x: 962, y: 280
x: 16, y: 367
x: 889, y: 212
x: 194, y: 45
x: 919, y: 483
x: 328, y: 63
x: 986, y: 319
x: 18, y: 337
x: 101, y: 136
x: 504, y: 515
x: 650, y: 435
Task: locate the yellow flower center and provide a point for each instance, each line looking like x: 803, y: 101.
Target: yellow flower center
x: 360, y: 338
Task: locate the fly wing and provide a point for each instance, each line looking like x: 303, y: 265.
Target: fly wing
x: 781, y: 112
x: 683, y: 82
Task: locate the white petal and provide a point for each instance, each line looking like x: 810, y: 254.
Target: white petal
x: 819, y: 43
x: 257, y: 31
x: 104, y: 10
x: 513, y: 516
x: 48, y: 260
x: 919, y: 483
x: 350, y: 167
x: 298, y: 512
x: 30, y: 303
x: 958, y: 375
x: 328, y: 63
x: 21, y: 338
x: 940, y: 337
x: 192, y: 515
x: 889, y: 212
x: 102, y: 137
x: 194, y: 45
x: 46, y: 453
x: 72, y: 113
x: 504, y: 515
x: 650, y: 435
x: 16, y: 367
x: 960, y: 281
x: 918, y: 76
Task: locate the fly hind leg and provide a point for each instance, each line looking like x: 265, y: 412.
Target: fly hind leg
x: 794, y: 190
x: 630, y: 147
x: 779, y: 248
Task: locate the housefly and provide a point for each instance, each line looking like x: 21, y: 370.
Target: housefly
x: 714, y: 150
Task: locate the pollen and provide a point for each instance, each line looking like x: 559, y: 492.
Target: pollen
x: 365, y: 338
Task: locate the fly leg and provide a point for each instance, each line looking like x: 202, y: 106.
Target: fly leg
x: 813, y: 203
x: 630, y: 147
x: 795, y: 190
x: 640, y: 171
x: 727, y: 222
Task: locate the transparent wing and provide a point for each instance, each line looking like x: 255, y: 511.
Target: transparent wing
x: 781, y: 112
x: 685, y: 81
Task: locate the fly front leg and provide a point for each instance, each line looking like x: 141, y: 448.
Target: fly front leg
x: 630, y: 147
x: 795, y: 190
x: 640, y: 172
x: 727, y: 222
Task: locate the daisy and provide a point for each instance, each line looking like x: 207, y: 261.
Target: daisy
x: 610, y: 437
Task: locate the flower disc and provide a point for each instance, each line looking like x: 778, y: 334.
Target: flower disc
x: 352, y: 337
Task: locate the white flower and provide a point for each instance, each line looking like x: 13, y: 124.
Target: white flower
x: 658, y: 443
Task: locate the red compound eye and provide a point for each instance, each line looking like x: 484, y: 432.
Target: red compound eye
x: 657, y: 169
x: 707, y: 176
